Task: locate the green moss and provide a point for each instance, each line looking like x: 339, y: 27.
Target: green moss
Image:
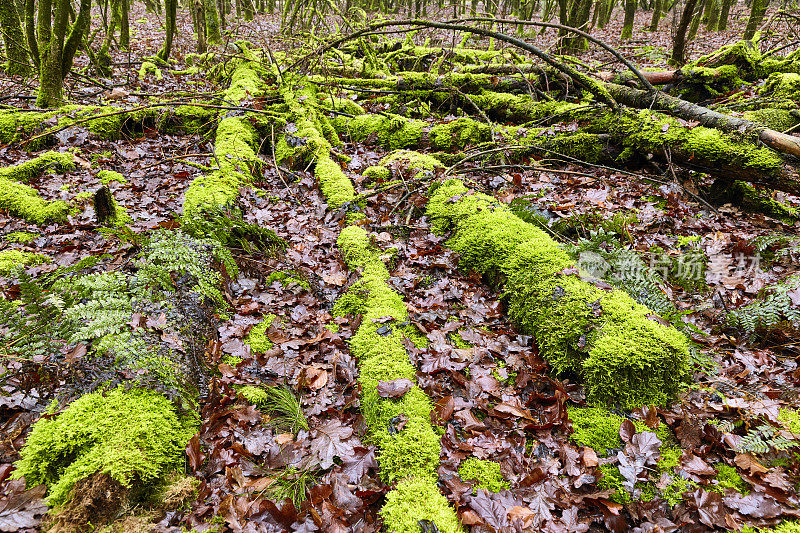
x: 596, y: 428
x: 790, y: 418
x: 776, y: 119
x: 286, y: 279
x: 235, y: 151
x: 377, y: 173
x: 728, y: 477
x: 33, y: 168
x: 148, y: 67
x: 134, y: 436
x: 255, y: 395
x: 13, y: 259
x: 390, y: 131
x: 231, y: 360
x: 21, y: 236
x: 421, y: 165
x: 606, y: 337
x: 333, y: 328
x: 782, y: 86
x: 192, y: 118
x: 408, y: 444
x: 755, y: 199
x: 414, y: 500
x: 486, y: 473
x: 257, y: 338
x: 354, y: 217
x: 335, y: 185
x: 108, y: 176
x: 246, y: 81
x: 23, y: 201
x: 458, y: 134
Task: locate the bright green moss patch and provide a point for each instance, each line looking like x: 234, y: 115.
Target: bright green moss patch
x: 728, y: 477
x: 486, y: 473
x: 776, y: 119
x: 286, y: 279
x: 596, y: 428
x: 390, y: 131
x: 790, y: 418
x: 257, y: 338
x: 235, y: 151
x: 784, y: 86
x: 421, y: 165
x: 108, y: 176
x: 134, y: 436
x: 408, y: 445
x: 21, y: 236
x: 414, y: 500
x: 377, y: 173
x: 12, y: 259
x: 784, y: 527
x: 335, y: 185
x: 23, y: 201
x: 148, y: 67
x: 458, y: 134
x: 623, y: 355
x: 24, y: 172
x: 255, y: 395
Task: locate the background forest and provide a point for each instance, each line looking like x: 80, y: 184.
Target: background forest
x: 310, y: 265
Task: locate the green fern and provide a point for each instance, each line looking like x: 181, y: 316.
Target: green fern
x: 175, y: 257
x: 775, y: 307
x: 765, y: 438
x: 227, y: 227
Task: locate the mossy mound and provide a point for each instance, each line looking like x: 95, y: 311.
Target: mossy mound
x: 12, y: 259
x: 390, y: 131
x: 624, y: 355
x: 134, y: 436
x: 458, y: 134
x: 257, y: 338
x: 415, y: 500
x: 486, y: 473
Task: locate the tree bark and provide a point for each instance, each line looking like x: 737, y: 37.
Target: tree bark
x: 656, y: 15
x: 630, y: 14
x: 722, y: 24
x: 170, y: 14
x: 757, y: 11
x: 14, y: 39
x: 58, y: 49
x: 679, y: 45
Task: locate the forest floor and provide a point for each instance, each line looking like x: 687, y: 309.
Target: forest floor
x: 493, y: 396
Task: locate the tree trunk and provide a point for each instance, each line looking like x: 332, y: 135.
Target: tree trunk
x: 696, y: 18
x: 679, y: 45
x: 656, y: 15
x: 722, y: 25
x: 170, y: 13
x: 199, y: 18
x: 30, y: 30
x: 14, y: 39
x: 212, y: 22
x: 58, y: 50
x: 757, y: 11
x: 124, y: 24
x: 630, y: 14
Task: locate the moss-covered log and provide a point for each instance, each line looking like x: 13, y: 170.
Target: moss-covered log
x: 408, y: 444
x: 24, y: 201
x: 617, y: 346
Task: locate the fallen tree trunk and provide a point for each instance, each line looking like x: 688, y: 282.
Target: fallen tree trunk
x: 660, y: 101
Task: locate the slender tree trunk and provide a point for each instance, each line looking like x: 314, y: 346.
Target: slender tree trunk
x: 679, y: 45
x: 630, y: 14
x: 757, y: 11
x: 722, y: 25
x: 698, y: 11
x: 212, y: 22
x: 656, y: 15
x: 170, y: 13
x: 30, y: 30
x: 14, y: 39
x: 199, y: 17
x: 124, y: 24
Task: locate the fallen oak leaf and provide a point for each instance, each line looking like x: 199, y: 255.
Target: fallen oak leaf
x: 395, y: 388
